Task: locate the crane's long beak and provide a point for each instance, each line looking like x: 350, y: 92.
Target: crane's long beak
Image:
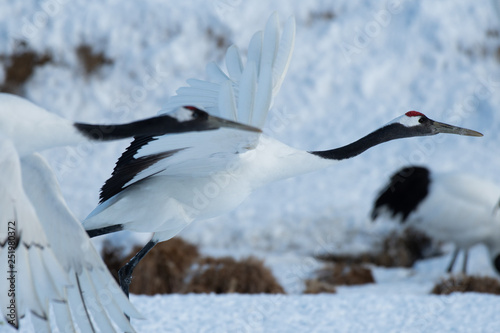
x: 445, y: 128
x: 221, y: 122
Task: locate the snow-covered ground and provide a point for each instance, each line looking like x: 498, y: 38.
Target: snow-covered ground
x: 357, y: 312
x: 356, y: 66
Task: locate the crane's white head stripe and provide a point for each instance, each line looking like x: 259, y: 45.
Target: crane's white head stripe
x: 409, y: 119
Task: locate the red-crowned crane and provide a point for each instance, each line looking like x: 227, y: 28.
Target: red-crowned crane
x: 453, y: 207
x: 159, y: 183
x: 46, y: 257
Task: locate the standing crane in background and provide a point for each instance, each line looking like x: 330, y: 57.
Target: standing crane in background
x: 154, y: 183
x: 453, y: 207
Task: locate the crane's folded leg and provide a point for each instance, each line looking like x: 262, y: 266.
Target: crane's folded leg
x: 125, y: 273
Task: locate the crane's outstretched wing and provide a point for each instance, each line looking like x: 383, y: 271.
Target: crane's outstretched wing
x: 245, y: 93
x: 55, y: 263
x: 24, y: 249
x: 197, y: 152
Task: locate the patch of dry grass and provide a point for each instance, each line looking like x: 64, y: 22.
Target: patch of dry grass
x: 20, y: 66
x: 175, y: 266
x: 463, y: 283
x: 226, y: 275
x: 398, y: 250
x: 332, y: 275
x: 314, y: 286
x: 90, y: 59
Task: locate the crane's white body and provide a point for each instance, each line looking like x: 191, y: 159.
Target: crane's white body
x: 193, y: 191
x: 56, y: 264
x: 462, y: 209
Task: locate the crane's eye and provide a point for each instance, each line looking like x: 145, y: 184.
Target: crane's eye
x: 421, y: 120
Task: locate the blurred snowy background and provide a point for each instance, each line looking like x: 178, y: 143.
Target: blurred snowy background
x: 356, y: 66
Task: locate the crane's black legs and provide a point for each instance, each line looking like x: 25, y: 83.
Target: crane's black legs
x: 125, y: 273
x: 464, y: 265
x: 453, y: 259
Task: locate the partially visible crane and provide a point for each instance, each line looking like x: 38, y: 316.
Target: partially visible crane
x: 454, y: 207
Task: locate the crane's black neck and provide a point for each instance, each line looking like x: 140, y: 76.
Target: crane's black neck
x: 387, y: 133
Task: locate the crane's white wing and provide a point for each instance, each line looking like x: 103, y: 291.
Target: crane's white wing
x: 189, y: 154
x: 245, y: 93
x: 93, y: 288
x: 55, y: 262
x: 25, y: 251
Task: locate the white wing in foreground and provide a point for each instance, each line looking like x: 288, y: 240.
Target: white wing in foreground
x: 245, y: 93
x: 54, y: 261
